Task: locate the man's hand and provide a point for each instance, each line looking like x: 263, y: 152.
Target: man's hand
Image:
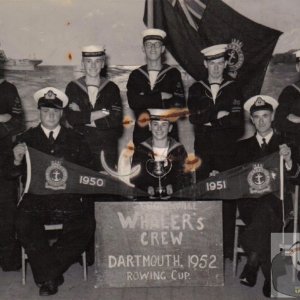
x: 166, y: 96
x: 169, y: 189
x: 73, y: 106
x: 19, y: 152
x: 99, y: 114
x: 286, y: 153
x: 213, y: 173
x: 222, y: 113
x: 293, y: 118
x: 150, y: 190
x: 4, y: 118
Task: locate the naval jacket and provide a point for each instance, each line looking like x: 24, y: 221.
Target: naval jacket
x: 141, y: 96
x: 108, y: 98
x: 176, y: 155
x: 289, y: 103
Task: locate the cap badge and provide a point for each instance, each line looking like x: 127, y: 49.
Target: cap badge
x: 260, y: 102
x: 50, y: 95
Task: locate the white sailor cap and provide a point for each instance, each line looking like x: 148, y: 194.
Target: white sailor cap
x: 260, y: 102
x: 297, y: 53
x: 93, y: 51
x: 214, y: 52
x: 162, y: 114
x: 51, y: 97
x: 153, y: 34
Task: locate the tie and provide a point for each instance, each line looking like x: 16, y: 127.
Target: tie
x: 51, y: 138
x: 264, y: 145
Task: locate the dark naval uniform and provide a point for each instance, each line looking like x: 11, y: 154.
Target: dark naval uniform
x: 141, y: 96
x: 215, y: 144
x: 173, y: 166
x: 289, y: 103
x: 263, y: 215
x: 34, y: 211
x: 108, y: 129
x: 10, y: 103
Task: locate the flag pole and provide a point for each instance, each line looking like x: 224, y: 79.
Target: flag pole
x: 150, y: 15
x: 296, y: 204
x: 282, y: 196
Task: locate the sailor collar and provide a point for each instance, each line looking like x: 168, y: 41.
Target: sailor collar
x: 206, y: 84
x: 82, y: 84
x: 165, y: 68
x: 172, y: 144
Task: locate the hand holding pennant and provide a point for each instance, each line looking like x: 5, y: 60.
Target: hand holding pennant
x: 251, y: 180
x: 47, y: 174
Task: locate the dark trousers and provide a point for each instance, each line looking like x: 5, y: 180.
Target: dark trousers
x: 10, y: 250
x: 217, y: 153
x: 262, y: 216
x: 49, y: 262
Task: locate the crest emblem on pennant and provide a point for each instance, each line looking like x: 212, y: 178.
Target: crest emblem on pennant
x: 56, y: 176
x: 259, y: 180
x: 235, y: 57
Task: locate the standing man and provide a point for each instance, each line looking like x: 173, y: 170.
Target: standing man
x: 263, y: 215
x: 95, y: 110
x: 95, y: 107
x: 154, y: 85
x: 215, y: 104
x: 48, y: 263
x: 287, y: 117
x: 11, y: 122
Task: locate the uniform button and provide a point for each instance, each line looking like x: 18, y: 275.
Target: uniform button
x: 52, y: 151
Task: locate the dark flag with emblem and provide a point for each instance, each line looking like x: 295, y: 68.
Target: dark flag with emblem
x: 251, y: 180
x: 47, y: 174
x: 193, y: 25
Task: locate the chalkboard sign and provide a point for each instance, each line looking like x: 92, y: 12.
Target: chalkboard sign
x: 151, y: 244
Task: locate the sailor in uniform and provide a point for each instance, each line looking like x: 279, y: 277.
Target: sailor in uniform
x: 48, y: 263
x: 287, y: 117
x: 154, y: 85
x: 95, y: 107
x: 263, y: 215
x: 162, y: 159
x: 95, y: 110
x: 215, y: 105
x: 11, y: 123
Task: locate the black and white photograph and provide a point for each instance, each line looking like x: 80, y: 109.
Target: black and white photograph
x: 149, y: 149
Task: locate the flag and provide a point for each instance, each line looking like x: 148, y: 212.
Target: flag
x: 47, y: 174
x: 251, y: 180
x: 192, y: 25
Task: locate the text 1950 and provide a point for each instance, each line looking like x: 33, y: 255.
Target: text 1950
x: 93, y: 181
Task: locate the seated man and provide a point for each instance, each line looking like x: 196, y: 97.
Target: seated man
x: 161, y: 158
x: 263, y: 215
x: 48, y: 263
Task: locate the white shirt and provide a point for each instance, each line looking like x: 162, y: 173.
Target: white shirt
x: 215, y: 87
x: 55, y: 131
x: 152, y: 77
x: 93, y: 92
x: 267, y: 138
x: 160, y: 154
